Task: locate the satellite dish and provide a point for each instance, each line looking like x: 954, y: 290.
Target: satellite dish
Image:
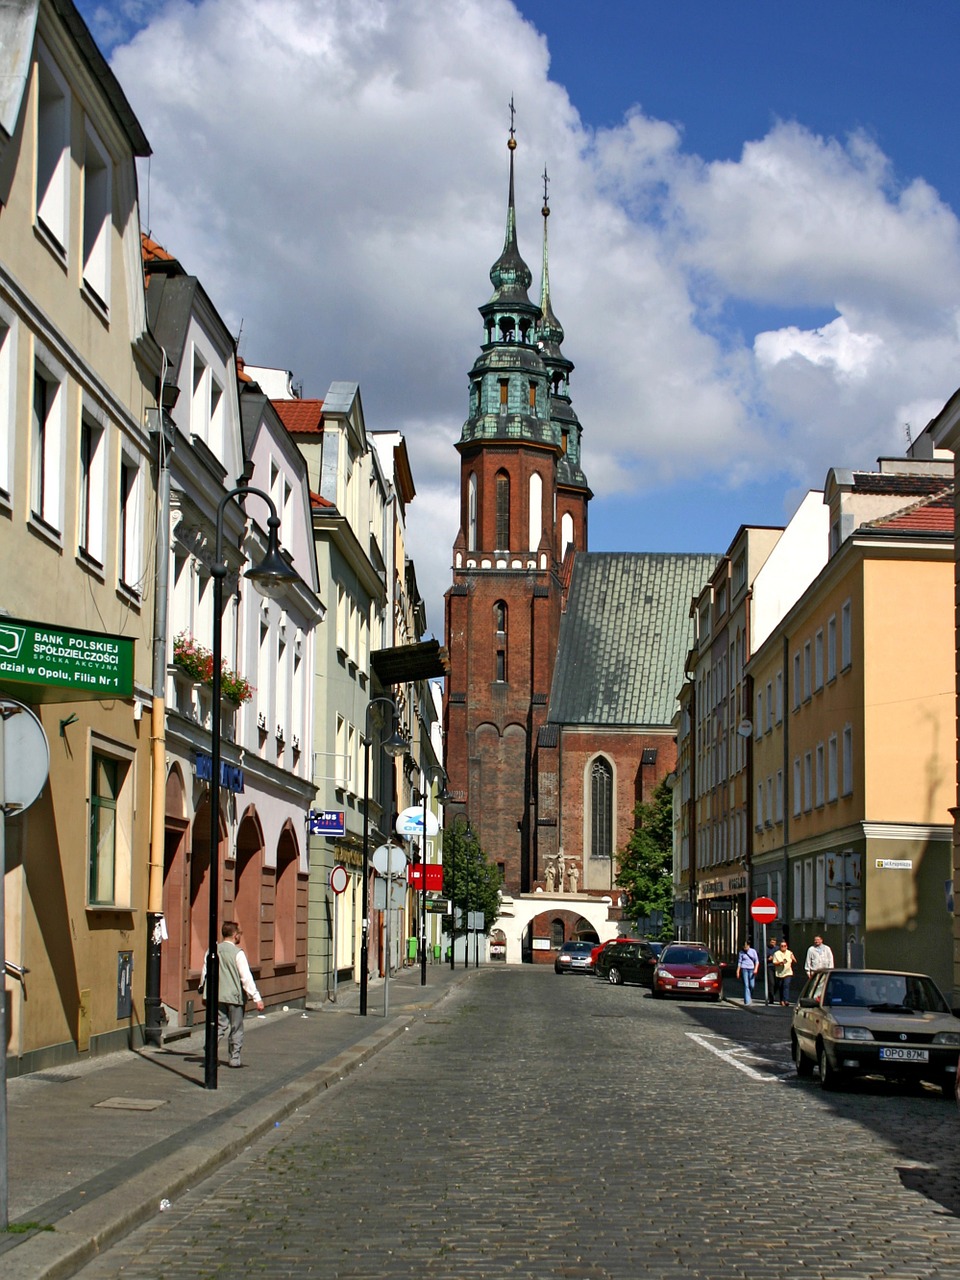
x: 745, y: 728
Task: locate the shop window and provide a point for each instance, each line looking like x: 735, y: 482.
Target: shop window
x: 111, y: 831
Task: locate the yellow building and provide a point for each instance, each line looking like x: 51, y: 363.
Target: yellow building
x: 854, y: 769
x: 78, y: 373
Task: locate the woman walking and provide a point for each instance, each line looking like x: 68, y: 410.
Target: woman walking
x: 747, y: 962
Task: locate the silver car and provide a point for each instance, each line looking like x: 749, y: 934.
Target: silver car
x: 860, y: 1022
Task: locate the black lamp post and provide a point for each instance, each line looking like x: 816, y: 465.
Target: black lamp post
x: 394, y: 746
x: 269, y: 577
x: 425, y: 783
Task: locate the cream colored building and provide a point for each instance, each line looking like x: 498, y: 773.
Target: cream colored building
x: 854, y: 776
x: 78, y: 376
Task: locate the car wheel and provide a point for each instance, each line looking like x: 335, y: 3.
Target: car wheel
x: 716, y: 998
x: 948, y: 1088
x: 657, y: 993
x: 800, y: 1060
x: 829, y: 1077
x: 615, y: 976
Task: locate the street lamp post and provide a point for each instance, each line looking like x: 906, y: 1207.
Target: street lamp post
x: 425, y: 783
x: 269, y: 577
x: 395, y: 745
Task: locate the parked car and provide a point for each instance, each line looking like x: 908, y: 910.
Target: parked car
x: 687, y: 969
x: 574, y: 957
x: 627, y: 960
x: 859, y: 1022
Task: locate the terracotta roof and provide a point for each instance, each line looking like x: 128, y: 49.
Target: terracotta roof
x: 300, y: 417
x: 909, y: 485
x: 153, y: 252
x: 317, y: 500
x: 242, y: 375
x: 934, y: 515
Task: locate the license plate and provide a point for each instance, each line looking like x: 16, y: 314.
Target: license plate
x: 686, y: 982
x: 904, y: 1055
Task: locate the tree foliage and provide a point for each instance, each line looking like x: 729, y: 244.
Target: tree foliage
x: 646, y: 864
x: 469, y: 880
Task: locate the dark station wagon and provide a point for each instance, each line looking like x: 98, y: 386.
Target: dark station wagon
x: 629, y: 961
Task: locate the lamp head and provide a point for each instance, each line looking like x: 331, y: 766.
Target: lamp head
x: 273, y: 573
x: 396, y: 744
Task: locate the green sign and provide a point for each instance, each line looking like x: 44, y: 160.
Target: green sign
x: 53, y: 664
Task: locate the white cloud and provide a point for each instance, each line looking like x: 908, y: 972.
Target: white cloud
x: 335, y: 173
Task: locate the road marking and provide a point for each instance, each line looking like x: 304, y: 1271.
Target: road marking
x: 732, y: 1055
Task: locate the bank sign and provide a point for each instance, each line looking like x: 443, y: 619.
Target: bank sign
x: 52, y: 664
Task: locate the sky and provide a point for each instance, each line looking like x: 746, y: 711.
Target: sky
x: 754, y: 234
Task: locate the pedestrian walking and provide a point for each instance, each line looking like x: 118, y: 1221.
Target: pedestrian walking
x: 747, y: 964
x: 236, y: 983
x: 768, y: 978
x: 783, y: 962
x: 819, y: 956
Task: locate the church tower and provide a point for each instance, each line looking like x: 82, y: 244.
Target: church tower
x: 523, y: 510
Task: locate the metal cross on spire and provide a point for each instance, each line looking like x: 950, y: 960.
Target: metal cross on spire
x: 513, y: 141
x: 546, y: 198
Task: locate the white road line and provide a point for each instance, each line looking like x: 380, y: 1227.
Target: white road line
x: 730, y: 1056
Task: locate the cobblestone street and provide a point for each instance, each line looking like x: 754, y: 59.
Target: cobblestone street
x: 536, y: 1126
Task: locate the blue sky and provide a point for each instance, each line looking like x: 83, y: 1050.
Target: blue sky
x: 755, y: 249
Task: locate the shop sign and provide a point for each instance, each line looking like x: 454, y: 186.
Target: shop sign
x: 326, y: 822
x: 231, y: 777
x: 50, y: 664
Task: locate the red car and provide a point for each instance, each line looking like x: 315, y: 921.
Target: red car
x: 687, y: 969
x: 601, y: 946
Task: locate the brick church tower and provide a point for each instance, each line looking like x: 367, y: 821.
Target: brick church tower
x: 523, y: 514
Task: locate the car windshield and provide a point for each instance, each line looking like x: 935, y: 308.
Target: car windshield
x: 579, y: 948
x: 885, y: 992
x: 686, y: 955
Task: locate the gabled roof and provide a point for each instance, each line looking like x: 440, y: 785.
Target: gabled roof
x: 301, y: 417
x: 625, y: 636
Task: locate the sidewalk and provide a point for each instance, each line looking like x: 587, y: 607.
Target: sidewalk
x: 94, y: 1147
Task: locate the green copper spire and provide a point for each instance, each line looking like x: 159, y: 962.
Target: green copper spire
x: 550, y: 330
x: 510, y: 275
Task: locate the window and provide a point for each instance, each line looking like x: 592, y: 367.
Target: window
x: 504, y: 390
x: 848, y: 760
x: 500, y: 616
x: 556, y: 934
x: 832, y: 647
x: 536, y: 511
x: 807, y: 672
x: 769, y: 810
x: 90, y: 507
x: 472, y: 513
x: 808, y: 782
x: 808, y: 889
x: 97, y: 199
x: 111, y: 831
x: 758, y: 727
x: 53, y: 149
x: 832, y: 783
x: 502, y: 535
x: 758, y: 816
x: 798, y: 888
x: 818, y: 660
x: 7, y: 404
x: 769, y: 706
x: 739, y: 571
x: 128, y: 552
x: 846, y: 637
x: 796, y: 681
x: 532, y: 395
x: 501, y: 665
x: 601, y: 810
x: 778, y: 812
x: 340, y: 768
x: 819, y: 775
x: 779, y: 703
x: 342, y: 617
x: 797, y: 792
x: 46, y: 435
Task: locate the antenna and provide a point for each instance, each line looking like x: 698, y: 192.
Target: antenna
x: 909, y: 434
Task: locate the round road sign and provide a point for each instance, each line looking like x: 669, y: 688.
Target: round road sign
x: 338, y: 878
x: 763, y: 910
x: 26, y: 755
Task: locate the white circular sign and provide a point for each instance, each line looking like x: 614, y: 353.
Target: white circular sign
x: 339, y: 879
x: 389, y: 860
x: 410, y: 823
x: 26, y: 755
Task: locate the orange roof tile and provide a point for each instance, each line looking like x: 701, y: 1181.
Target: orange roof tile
x: 300, y: 417
x: 933, y: 515
x: 153, y: 252
x: 317, y: 500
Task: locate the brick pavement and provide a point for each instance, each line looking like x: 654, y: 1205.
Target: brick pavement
x: 94, y: 1171
x: 533, y: 1127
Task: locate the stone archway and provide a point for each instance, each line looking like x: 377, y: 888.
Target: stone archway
x: 518, y: 914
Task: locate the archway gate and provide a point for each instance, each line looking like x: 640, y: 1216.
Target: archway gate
x: 517, y: 914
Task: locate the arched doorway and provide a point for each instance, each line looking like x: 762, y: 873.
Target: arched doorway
x: 247, y: 888
x: 285, y: 900
x: 173, y: 959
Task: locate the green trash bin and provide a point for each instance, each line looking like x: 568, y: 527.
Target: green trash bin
x: 411, y: 948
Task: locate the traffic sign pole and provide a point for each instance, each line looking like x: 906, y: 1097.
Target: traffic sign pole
x: 762, y: 911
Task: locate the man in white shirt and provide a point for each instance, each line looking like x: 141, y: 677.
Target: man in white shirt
x: 235, y: 983
x: 819, y: 956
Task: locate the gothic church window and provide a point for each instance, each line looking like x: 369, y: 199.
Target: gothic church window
x: 472, y: 513
x: 502, y: 541
x: 601, y: 810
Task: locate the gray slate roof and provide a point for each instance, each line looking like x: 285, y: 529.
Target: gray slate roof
x: 625, y: 637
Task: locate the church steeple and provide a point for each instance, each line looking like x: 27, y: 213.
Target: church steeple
x: 550, y: 335
x: 509, y: 385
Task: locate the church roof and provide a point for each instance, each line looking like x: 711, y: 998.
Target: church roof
x: 625, y: 636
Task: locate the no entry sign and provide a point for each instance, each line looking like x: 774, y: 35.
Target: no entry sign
x: 763, y: 910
